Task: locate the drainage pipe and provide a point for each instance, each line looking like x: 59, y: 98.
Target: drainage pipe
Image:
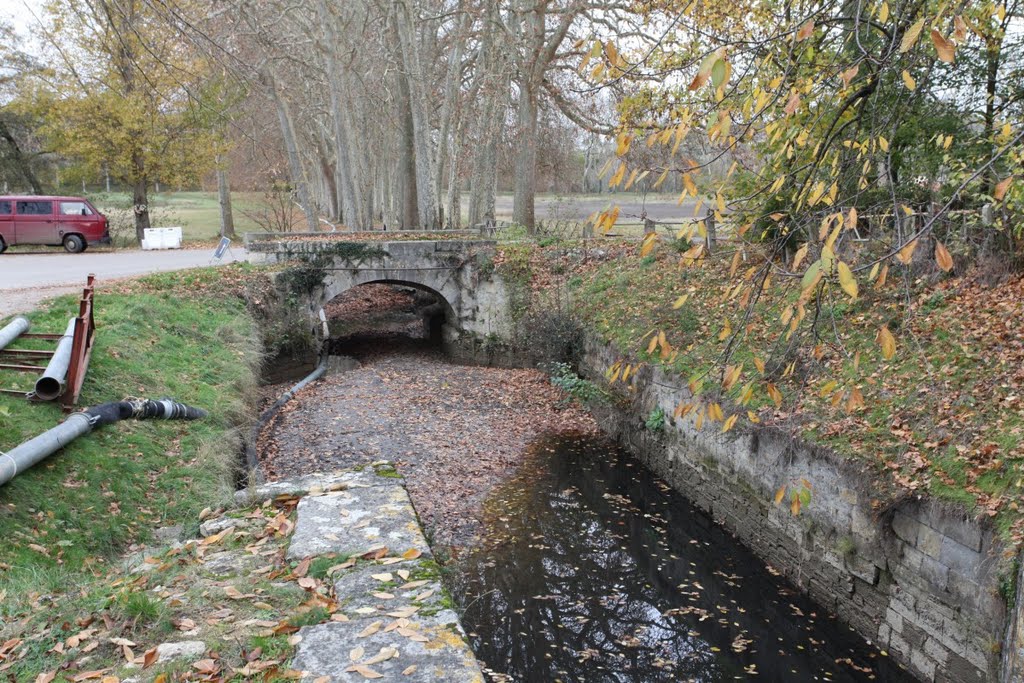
x: 35, y: 450
x: 13, y: 330
x: 252, y: 461
x: 51, y: 384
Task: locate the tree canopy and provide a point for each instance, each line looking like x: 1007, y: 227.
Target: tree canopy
x: 123, y: 95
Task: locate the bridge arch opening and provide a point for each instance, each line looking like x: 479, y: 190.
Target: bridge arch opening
x: 380, y: 315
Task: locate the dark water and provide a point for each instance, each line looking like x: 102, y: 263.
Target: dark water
x: 594, y: 570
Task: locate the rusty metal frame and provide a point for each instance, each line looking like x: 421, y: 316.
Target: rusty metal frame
x: 81, y: 352
x: 81, y: 347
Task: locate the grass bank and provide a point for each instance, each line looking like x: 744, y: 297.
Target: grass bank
x: 185, y: 335
x: 943, y: 416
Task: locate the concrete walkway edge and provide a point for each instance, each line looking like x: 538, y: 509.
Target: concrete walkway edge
x: 395, y: 621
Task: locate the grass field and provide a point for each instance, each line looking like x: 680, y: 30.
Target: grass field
x: 198, y: 213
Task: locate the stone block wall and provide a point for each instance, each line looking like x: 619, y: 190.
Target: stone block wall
x: 915, y: 576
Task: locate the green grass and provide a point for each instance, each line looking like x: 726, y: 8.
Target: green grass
x: 198, y: 213
x: 76, y: 511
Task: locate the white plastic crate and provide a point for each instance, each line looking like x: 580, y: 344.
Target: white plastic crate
x: 161, y: 238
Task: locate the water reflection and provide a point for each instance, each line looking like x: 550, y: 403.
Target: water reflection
x: 594, y: 570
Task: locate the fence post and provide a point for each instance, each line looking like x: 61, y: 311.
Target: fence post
x: 709, y: 226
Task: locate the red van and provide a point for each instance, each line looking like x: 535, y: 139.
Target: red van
x: 53, y: 221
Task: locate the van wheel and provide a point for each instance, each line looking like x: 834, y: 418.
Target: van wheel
x: 3, y: 245
x: 74, y: 244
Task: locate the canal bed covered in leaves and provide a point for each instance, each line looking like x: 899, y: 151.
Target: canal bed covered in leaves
x: 594, y: 570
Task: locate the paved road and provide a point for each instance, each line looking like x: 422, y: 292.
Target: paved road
x: 26, y: 278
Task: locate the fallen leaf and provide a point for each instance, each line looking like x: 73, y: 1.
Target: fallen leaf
x: 369, y: 630
x: 184, y: 624
x: 375, y: 554
x: 302, y: 568
x: 206, y: 666
x: 364, y: 671
x: 385, y: 654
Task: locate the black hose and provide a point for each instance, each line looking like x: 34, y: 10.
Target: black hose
x: 143, y: 409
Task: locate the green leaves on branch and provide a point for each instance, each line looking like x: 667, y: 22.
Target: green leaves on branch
x: 714, y: 67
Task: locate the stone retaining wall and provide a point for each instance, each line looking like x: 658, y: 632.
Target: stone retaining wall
x: 917, y: 577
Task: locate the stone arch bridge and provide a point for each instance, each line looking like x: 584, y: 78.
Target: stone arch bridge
x: 460, y: 272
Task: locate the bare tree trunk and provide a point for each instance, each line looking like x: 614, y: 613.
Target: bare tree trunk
x: 478, y: 185
x: 492, y: 87
x: 406, y: 153
x: 426, y: 200
x: 140, y: 196
x: 991, y: 85
x: 227, y: 219
x: 454, y: 202
x: 329, y: 179
x: 526, y: 159
x: 350, y: 190
x: 449, y: 126
x: 291, y: 148
x: 391, y: 182
x: 540, y: 41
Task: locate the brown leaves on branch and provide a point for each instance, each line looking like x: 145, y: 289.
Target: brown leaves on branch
x: 887, y: 342
x: 1001, y: 188
x: 942, y: 257
x: 945, y: 48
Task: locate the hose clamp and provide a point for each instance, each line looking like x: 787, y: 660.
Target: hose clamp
x: 14, y: 463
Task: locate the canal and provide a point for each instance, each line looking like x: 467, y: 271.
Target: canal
x: 570, y: 561
x: 594, y: 570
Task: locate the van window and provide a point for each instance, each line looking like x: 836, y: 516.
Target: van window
x: 5, y: 208
x: 35, y: 208
x: 75, y: 209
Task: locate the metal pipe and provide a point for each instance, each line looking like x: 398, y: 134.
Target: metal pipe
x: 35, y: 450
x: 251, y: 458
x: 13, y: 330
x: 51, y: 384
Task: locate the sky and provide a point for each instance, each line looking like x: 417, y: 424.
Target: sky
x: 19, y: 13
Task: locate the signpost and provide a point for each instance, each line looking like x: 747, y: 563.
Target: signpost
x: 223, y: 247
